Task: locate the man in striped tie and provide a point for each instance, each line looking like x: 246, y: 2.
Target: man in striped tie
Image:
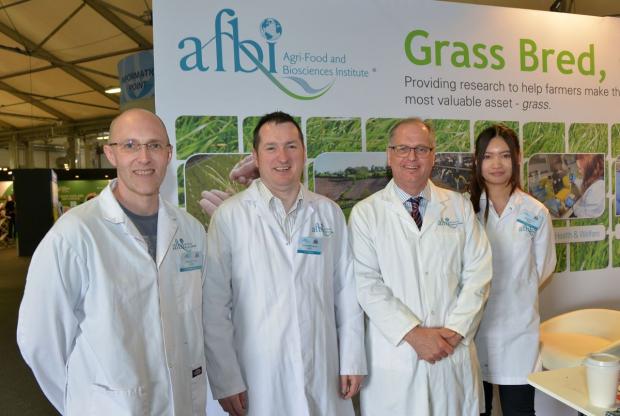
x: 422, y: 266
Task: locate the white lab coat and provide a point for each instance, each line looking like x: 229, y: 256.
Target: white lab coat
x: 592, y: 202
x: 434, y: 277
x: 523, y: 249
x: 280, y: 324
x: 105, y: 329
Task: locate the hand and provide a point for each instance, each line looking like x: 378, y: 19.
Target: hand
x: 429, y: 343
x: 211, y: 200
x: 235, y: 405
x: 350, y: 385
x: 245, y: 171
x: 453, y: 338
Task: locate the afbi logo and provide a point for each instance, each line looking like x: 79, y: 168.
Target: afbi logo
x: 179, y: 244
x: 293, y: 72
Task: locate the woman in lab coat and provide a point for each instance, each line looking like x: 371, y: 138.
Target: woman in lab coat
x: 521, y: 235
x: 591, y: 199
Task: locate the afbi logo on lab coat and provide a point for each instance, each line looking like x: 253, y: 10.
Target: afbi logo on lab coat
x: 530, y: 223
x: 447, y: 222
x: 179, y: 244
x: 319, y: 227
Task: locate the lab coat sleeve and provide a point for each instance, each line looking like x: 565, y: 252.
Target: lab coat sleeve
x: 223, y: 369
x: 544, y: 249
x: 349, y: 315
x: 476, y: 272
x: 391, y: 316
x: 47, y: 324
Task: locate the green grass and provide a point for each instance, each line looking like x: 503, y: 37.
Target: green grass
x: 589, y: 138
x: 543, y: 138
x: 309, y: 171
x: 560, y: 253
x: 208, y: 172
x: 181, y: 185
x: 205, y: 134
x: 480, y: 125
x: 615, y: 152
x: 451, y: 135
x: 589, y: 256
x: 328, y: 134
x: 249, y: 123
x: 378, y: 132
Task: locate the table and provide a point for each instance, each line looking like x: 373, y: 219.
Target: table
x: 567, y: 385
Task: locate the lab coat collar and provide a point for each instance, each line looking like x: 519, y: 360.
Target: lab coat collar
x: 253, y: 196
x: 434, y: 207
x: 514, y: 201
x: 166, y: 220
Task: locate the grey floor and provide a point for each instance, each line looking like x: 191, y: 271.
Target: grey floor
x: 19, y: 393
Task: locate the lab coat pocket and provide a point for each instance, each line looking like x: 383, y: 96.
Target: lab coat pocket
x: 188, y: 290
x: 106, y: 401
x: 199, y: 394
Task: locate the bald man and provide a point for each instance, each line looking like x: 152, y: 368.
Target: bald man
x: 111, y: 319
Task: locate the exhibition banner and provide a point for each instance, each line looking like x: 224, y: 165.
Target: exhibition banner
x: 349, y: 70
x: 72, y: 193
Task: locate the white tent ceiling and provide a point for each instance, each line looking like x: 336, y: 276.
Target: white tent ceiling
x: 57, y: 58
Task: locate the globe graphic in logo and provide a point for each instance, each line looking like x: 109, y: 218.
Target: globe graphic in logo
x: 271, y: 29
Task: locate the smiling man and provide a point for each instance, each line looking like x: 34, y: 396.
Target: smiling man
x: 111, y: 319
x: 283, y: 329
x: 422, y: 265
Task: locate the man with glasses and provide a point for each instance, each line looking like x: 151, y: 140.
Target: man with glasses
x: 422, y: 265
x: 111, y: 319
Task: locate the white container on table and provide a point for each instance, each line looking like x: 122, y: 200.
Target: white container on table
x: 602, y: 372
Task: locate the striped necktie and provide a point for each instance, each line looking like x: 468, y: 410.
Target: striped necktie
x: 415, y: 211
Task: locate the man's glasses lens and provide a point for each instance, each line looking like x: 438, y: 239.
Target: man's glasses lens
x: 132, y: 147
x: 403, y: 150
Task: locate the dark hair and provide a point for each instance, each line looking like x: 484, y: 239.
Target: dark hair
x: 277, y: 117
x: 594, y: 168
x: 478, y: 185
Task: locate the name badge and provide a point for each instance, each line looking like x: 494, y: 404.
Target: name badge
x: 530, y: 221
x: 310, y: 245
x: 191, y: 260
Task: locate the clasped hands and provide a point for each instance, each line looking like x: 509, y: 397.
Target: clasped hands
x: 433, y: 344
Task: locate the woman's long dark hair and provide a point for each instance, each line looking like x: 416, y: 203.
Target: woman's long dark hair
x: 478, y: 184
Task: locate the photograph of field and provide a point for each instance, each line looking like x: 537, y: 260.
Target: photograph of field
x: 347, y: 178
x: 205, y: 134
x: 206, y: 172
x: 453, y: 171
x: 330, y: 134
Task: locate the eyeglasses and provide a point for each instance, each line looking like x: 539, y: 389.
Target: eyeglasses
x: 131, y: 146
x: 402, y: 150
